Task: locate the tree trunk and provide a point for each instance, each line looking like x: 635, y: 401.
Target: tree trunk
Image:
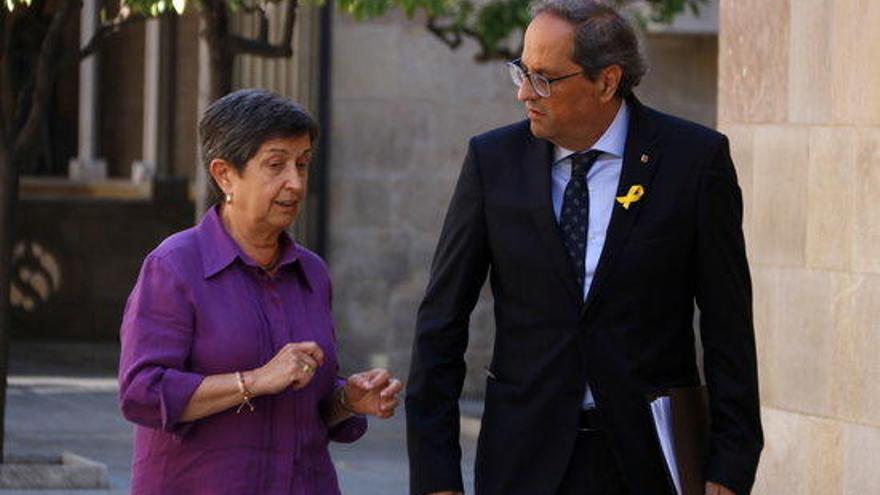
x: 215, y: 81
x: 215, y: 15
x: 8, y: 196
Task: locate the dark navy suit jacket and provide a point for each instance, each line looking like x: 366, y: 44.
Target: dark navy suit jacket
x: 633, y: 337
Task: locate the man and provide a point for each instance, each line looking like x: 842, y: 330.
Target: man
x: 600, y: 222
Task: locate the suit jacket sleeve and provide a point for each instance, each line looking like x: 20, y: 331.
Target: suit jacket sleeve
x: 724, y: 296
x: 437, y: 371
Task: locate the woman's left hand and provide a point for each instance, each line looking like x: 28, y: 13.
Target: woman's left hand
x: 372, y: 392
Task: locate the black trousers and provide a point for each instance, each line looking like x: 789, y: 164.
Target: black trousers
x: 592, y: 469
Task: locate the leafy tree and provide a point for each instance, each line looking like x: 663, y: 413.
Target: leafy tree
x: 32, y: 57
x: 497, y: 26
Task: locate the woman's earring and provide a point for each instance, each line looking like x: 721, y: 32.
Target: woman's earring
x: 228, y: 198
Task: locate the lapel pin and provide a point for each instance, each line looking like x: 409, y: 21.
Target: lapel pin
x: 635, y: 193
x: 645, y: 158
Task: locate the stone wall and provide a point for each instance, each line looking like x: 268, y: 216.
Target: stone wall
x: 79, y: 249
x: 404, y: 107
x: 799, y: 96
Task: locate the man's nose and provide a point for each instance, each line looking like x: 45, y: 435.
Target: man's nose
x: 526, y: 92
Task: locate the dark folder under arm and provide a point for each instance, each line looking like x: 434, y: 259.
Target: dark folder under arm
x: 685, y: 421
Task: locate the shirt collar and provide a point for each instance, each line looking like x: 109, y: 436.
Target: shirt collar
x: 612, y: 141
x: 219, y: 249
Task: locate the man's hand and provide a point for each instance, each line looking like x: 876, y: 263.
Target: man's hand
x: 716, y: 489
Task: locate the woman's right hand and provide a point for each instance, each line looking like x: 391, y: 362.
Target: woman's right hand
x: 293, y: 366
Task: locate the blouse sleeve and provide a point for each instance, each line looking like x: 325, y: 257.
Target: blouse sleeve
x: 352, y: 428
x: 156, y: 338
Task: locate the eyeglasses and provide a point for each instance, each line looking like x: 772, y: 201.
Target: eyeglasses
x: 541, y: 84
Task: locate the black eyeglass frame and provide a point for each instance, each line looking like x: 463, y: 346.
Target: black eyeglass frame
x: 516, y: 65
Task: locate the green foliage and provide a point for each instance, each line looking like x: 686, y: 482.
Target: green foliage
x: 10, y: 4
x: 153, y: 8
x: 495, y: 24
x: 147, y: 8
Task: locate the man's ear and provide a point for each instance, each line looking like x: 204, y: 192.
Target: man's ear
x: 609, y: 81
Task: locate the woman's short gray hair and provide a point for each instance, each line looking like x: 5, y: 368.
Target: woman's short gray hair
x: 602, y: 38
x: 235, y: 126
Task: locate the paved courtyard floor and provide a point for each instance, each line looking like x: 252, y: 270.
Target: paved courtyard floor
x: 62, y: 397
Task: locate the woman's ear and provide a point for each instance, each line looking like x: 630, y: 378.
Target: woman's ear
x: 221, y: 170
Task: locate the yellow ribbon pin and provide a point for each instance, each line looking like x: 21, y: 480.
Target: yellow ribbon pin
x: 635, y: 193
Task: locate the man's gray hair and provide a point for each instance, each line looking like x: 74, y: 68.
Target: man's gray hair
x: 602, y: 38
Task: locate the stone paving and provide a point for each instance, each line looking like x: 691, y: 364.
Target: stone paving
x: 62, y: 397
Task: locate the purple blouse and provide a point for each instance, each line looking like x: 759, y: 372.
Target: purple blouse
x: 201, y: 307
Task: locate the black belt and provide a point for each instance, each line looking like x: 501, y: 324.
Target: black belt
x: 589, y: 421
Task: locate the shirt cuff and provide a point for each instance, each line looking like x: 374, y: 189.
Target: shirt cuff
x: 349, y: 430
x: 176, y: 389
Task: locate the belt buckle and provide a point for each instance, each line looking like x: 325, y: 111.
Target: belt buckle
x: 585, y: 417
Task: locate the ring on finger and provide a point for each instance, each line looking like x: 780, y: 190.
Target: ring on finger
x: 307, y: 368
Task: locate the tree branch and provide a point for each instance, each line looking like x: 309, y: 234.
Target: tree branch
x: 44, y: 79
x: 447, y: 34
x: 261, y: 46
x: 263, y: 34
x: 97, y: 42
x: 453, y: 36
x: 7, y: 88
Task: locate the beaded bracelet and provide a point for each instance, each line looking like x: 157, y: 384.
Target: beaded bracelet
x: 246, y: 394
x: 342, y: 403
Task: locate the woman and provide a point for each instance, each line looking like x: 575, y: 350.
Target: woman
x: 228, y: 362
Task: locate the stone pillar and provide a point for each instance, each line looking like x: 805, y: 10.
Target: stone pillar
x: 86, y: 166
x: 200, y: 188
x: 799, y: 96
x: 157, y: 80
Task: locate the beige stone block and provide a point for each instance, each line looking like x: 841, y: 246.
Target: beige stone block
x: 753, y: 61
x: 361, y: 201
x: 798, y: 354
x: 802, y: 455
x: 831, y: 188
x: 848, y: 375
x: 366, y: 60
x: 380, y: 137
x: 809, y: 80
x: 855, y: 368
x: 742, y: 152
x: 779, y: 214
x: 861, y: 458
x: 866, y: 241
x: 767, y: 299
x: 855, y: 64
x: 421, y: 203
x: 683, y: 78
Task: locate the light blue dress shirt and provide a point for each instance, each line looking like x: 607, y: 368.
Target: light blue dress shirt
x: 602, y: 181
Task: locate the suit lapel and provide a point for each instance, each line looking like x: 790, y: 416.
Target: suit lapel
x: 537, y: 161
x: 640, y: 159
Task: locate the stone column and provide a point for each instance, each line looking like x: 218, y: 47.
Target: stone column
x: 87, y: 166
x: 158, y: 55
x: 200, y: 188
x: 799, y: 96
x: 157, y: 80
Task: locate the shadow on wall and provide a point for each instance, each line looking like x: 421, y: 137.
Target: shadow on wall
x: 78, y: 256
x: 37, y: 276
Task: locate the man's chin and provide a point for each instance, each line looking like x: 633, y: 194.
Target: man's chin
x: 538, y: 130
